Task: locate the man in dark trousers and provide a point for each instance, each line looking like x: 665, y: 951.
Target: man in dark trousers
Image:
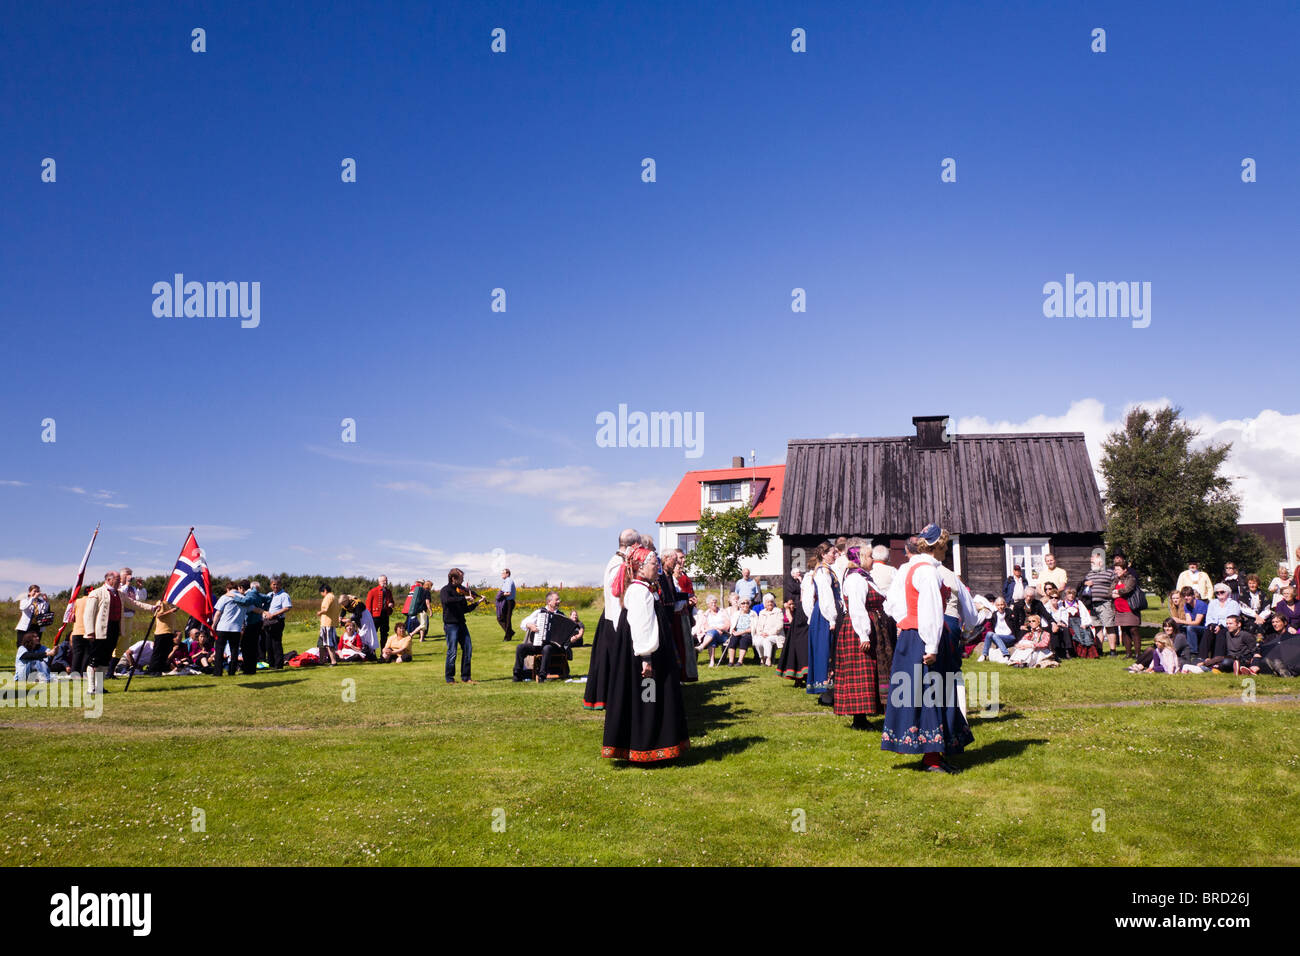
x: 379, y: 602
x: 537, y: 646
x: 506, y: 604
x: 457, y: 601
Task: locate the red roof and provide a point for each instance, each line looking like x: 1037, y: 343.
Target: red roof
x: 684, y: 505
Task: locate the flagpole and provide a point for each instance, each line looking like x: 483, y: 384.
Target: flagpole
x: 72, y: 595
x: 134, y: 662
x: 154, y: 620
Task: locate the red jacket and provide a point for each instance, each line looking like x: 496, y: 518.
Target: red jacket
x: 379, y: 601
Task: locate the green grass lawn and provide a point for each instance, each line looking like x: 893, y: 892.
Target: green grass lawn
x: 286, y: 772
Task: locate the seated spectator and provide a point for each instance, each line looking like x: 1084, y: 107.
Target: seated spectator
x: 1233, y: 580
x: 1035, y: 648
x: 1278, y: 583
x: 203, y: 651
x: 138, y: 657
x: 1288, y: 609
x: 1022, y: 609
x: 1076, y: 622
x: 711, y: 628
x: 61, y: 662
x: 769, y: 632
x: 1163, y: 657
x: 1216, y: 622
x: 398, y: 648
x: 351, y: 646
x: 540, y: 648
x: 1187, y: 610
x: 742, y: 634
x: 31, y: 662
x: 999, y: 630
x: 1059, y: 630
x: 1280, y: 654
x: 1239, y: 648
x: 1256, y: 606
x: 179, y: 660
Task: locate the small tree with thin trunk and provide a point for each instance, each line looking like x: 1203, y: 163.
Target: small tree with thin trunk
x: 726, y: 537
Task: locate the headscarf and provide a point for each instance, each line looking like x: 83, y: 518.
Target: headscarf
x: 632, y: 563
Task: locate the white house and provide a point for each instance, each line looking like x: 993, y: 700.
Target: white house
x: 722, y: 488
x: 1291, y: 532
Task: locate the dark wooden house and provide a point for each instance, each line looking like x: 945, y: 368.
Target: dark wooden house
x: 1006, y: 498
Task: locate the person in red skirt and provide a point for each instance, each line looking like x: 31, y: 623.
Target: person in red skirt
x: 857, y: 684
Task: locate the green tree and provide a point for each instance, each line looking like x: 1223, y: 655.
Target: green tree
x: 1167, y: 503
x: 726, y: 536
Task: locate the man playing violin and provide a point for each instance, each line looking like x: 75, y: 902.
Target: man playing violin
x: 457, y: 601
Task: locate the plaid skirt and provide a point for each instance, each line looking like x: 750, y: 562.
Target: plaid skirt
x: 856, y: 683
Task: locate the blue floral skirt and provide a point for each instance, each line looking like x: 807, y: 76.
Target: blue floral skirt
x: 921, y: 713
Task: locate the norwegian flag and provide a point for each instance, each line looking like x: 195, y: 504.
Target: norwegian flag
x: 189, y: 587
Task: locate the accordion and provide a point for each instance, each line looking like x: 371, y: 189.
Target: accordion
x: 556, y: 629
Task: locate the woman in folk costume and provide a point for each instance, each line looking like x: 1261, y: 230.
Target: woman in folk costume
x: 645, y: 720
x: 857, y: 687
x: 822, y: 604
x: 959, y: 613
x: 794, y: 656
x: 593, y: 695
x: 921, y: 713
x: 676, y: 607
x: 884, y: 631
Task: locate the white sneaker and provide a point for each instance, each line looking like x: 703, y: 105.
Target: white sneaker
x: 981, y: 659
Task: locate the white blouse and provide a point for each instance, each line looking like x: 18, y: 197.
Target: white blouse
x: 641, y: 618
x: 855, y: 598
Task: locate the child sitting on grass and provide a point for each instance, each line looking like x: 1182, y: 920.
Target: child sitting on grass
x: 351, y: 647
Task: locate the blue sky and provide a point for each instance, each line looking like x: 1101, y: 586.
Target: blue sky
x: 775, y: 170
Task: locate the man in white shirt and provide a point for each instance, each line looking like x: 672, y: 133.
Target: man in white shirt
x: 505, y: 603
x: 1050, y: 574
x: 538, y: 646
x: 273, y: 625
x: 127, y: 588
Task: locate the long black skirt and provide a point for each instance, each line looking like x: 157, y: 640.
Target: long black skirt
x: 594, y: 694
x: 645, y: 720
x: 794, y: 656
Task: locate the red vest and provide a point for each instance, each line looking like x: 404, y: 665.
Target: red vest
x: 909, y: 621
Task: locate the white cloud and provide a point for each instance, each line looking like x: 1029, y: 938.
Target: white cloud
x: 1263, y: 463
x: 114, y: 504
x: 298, y: 547
x: 14, y: 484
x: 584, y: 497
x: 407, y: 560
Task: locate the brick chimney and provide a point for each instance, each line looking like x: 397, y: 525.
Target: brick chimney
x: 738, y: 461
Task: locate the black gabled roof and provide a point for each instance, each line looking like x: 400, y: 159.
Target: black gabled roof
x: 1011, y: 483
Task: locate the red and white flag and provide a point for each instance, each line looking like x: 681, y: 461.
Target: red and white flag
x: 71, y: 613
x: 189, y: 588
